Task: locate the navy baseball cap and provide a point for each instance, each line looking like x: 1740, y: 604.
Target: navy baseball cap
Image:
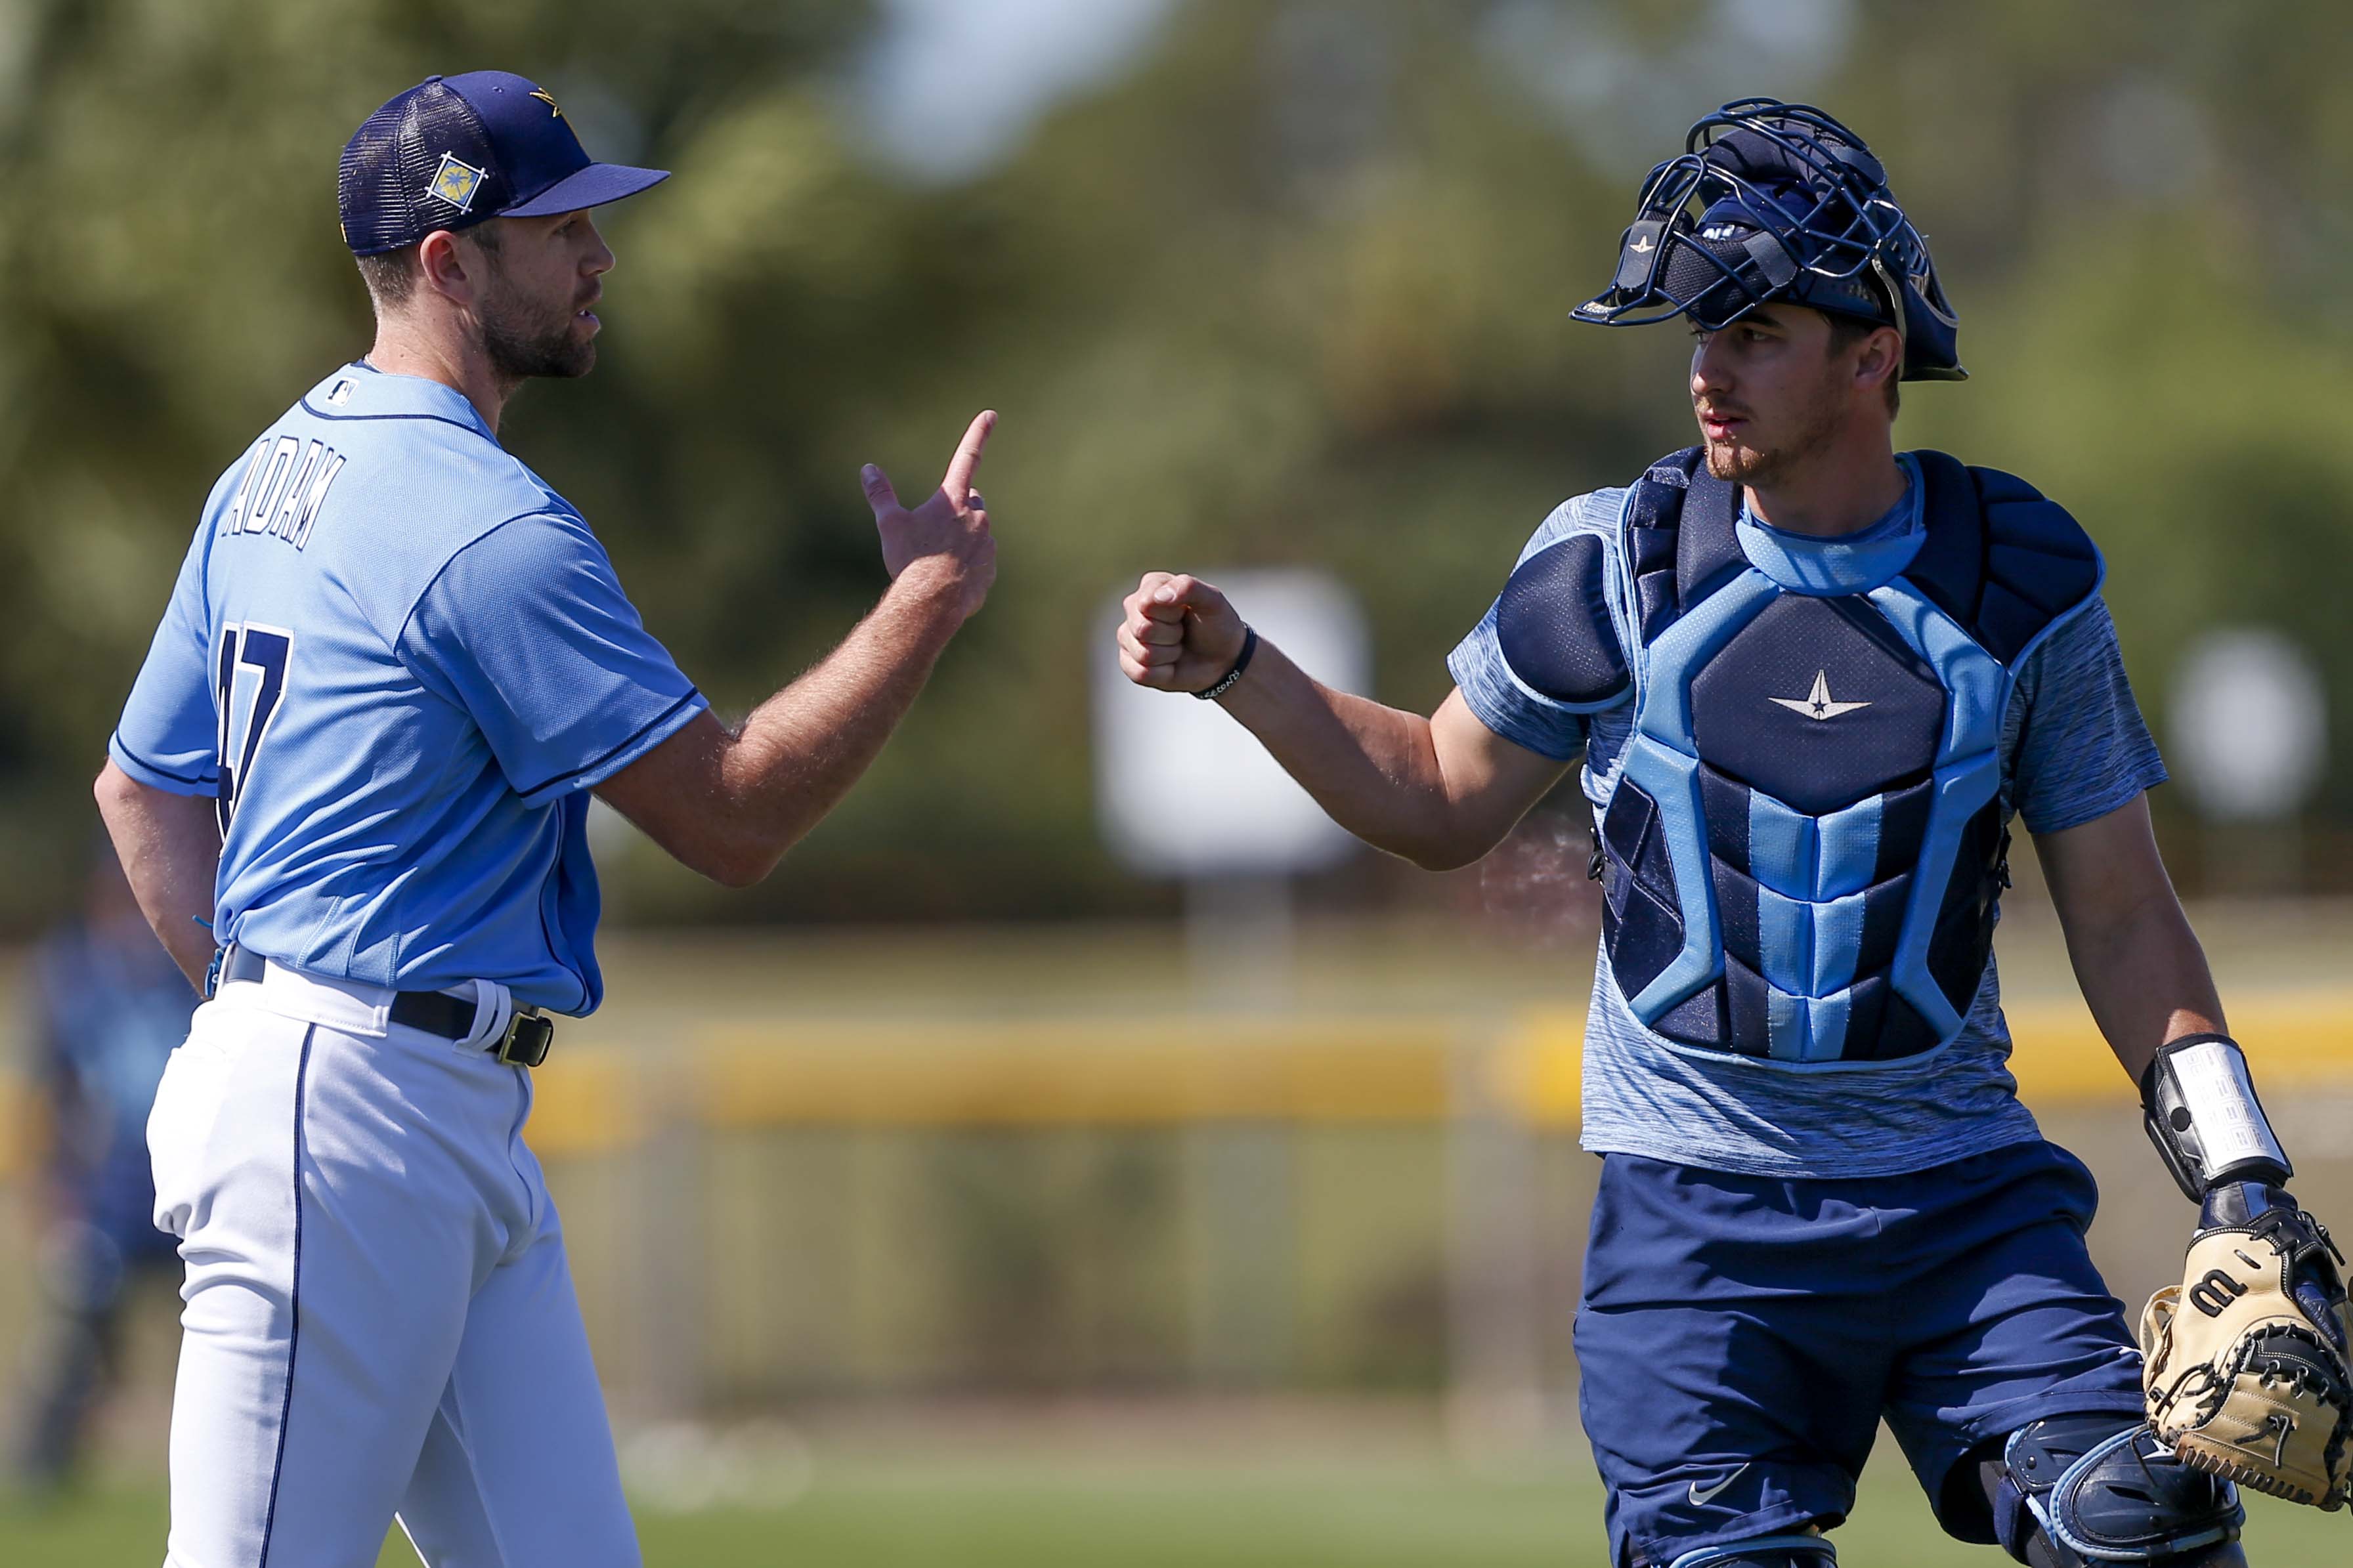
x: 453, y: 150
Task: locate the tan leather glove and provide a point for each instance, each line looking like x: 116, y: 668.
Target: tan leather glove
x: 2247, y: 1376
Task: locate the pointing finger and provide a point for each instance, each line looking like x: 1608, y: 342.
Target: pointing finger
x: 879, y: 493
x: 967, y: 461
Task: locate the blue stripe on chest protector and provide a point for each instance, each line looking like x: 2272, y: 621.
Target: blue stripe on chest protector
x: 1974, y: 682
x: 1663, y: 760
x: 1785, y: 940
x: 1959, y: 793
x: 1803, y: 856
x: 1826, y: 1019
x: 1810, y: 874
x: 1686, y: 647
x: 1968, y: 773
x: 1848, y: 857
x: 1781, y: 846
x: 1672, y: 780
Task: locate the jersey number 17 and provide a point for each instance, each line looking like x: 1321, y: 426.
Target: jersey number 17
x: 252, y: 680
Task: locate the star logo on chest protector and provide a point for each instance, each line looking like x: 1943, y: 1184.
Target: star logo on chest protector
x: 1817, y: 704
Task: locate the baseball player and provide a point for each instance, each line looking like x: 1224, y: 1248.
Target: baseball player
x: 107, y: 1007
x: 1812, y: 681
x: 351, y: 789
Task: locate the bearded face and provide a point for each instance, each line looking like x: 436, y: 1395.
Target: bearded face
x: 1770, y: 392
x: 528, y: 333
x: 536, y: 280
x: 1802, y: 422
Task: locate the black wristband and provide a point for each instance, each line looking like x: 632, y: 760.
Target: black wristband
x: 1224, y: 683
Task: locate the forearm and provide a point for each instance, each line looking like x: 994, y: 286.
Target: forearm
x: 799, y: 752
x: 1375, y: 770
x: 170, y: 850
x: 2145, y: 977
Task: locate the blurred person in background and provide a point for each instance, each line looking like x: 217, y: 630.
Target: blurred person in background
x: 106, y: 1006
x: 1812, y: 681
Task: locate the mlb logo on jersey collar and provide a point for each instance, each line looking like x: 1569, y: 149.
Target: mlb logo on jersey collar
x: 456, y: 181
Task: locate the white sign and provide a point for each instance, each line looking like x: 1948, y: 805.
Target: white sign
x: 2249, y: 725
x: 1183, y: 790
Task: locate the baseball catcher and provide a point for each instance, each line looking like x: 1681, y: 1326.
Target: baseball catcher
x: 1812, y: 682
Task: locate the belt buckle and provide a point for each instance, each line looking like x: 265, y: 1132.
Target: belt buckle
x: 527, y: 1036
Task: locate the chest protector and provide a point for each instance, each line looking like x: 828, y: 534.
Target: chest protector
x: 1804, y: 854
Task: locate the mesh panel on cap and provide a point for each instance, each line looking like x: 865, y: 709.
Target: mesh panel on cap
x: 368, y: 179
x: 387, y: 169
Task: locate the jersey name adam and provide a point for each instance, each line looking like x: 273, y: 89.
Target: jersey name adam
x: 286, y: 482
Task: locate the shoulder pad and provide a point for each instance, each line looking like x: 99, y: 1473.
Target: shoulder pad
x: 2040, y: 563
x: 1554, y: 626
x: 1680, y: 539
x: 1999, y: 557
x: 1654, y: 510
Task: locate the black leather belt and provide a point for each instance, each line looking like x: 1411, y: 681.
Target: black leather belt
x: 523, y: 1042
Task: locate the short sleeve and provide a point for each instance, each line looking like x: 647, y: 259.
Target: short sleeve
x: 528, y: 630
x: 166, y: 738
x: 2082, y: 749
x: 1497, y: 697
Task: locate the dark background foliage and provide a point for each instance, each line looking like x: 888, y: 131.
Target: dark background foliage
x: 1291, y: 288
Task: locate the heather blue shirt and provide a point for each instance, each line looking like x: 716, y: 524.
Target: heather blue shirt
x: 2073, y: 749
x: 398, y: 659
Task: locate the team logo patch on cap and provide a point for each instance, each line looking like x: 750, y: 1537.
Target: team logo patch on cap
x: 456, y: 181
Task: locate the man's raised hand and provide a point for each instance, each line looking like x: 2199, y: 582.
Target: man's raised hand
x: 947, y: 535
x: 1178, y: 634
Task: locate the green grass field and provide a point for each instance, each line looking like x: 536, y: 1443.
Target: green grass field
x: 1025, y: 1514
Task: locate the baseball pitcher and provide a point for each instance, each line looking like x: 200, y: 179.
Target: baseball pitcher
x: 350, y: 791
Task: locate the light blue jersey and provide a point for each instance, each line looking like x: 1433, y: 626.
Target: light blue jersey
x: 399, y: 660
x: 2072, y: 748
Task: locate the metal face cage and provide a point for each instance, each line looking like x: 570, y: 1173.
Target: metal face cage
x: 1769, y: 201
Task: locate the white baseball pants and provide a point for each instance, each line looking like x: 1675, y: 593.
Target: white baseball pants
x: 379, y: 1317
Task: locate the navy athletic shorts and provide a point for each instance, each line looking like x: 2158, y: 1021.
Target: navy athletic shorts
x: 1741, y: 1337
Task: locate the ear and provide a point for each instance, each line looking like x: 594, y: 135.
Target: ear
x: 1881, y: 361
x: 445, y: 264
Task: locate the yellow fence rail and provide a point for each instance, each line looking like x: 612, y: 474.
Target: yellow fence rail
x: 596, y: 1097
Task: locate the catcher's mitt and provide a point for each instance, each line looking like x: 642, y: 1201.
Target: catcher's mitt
x: 2247, y: 1376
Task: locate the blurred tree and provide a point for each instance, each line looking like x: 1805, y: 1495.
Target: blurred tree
x: 1294, y: 289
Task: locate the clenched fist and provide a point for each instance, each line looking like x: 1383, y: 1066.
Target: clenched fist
x: 1178, y: 634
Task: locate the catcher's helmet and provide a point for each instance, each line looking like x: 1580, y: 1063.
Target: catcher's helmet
x: 1778, y: 201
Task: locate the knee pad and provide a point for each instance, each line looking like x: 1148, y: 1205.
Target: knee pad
x: 1764, y: 1551
x: 2101, y: 1489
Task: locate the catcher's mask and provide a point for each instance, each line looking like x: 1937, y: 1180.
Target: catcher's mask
x: 1778, y: 201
